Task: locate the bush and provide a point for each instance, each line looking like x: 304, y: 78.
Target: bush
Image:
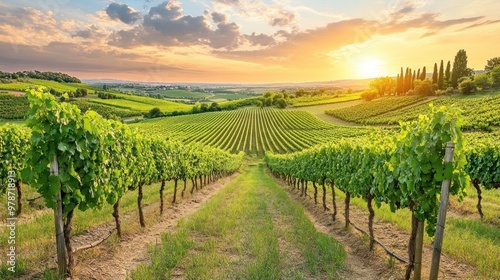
x: 154, y: 113
x: 467, y: 86
x: 368, y: 95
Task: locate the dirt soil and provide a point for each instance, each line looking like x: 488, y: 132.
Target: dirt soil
x: 360, y: 262
x: 118, y: 262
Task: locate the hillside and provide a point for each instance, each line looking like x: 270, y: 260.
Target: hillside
x: 14, y: 104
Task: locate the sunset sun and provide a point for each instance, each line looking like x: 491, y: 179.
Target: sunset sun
x: 370, y: 68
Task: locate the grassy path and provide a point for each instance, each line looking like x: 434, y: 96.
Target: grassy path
x: 249, y: 230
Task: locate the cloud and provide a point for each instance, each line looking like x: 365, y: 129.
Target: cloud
x: 274, y: 15
x: 89, y: 33
x: 487, y: 22
x: 167, y: 25
x: 218, y: 17
x: 283, y: 18
x: 260, y: 39
x: 123, y: 12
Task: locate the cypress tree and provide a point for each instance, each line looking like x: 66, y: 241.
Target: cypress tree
x: 401, y: 82
x: 459, y: 67
x: 418, y: 74
x: 424, y: 74
x: 407, y: 82
x: 447, y: 74
x: 441, y: 76
x: 435, y: 74
x: 413, y: 79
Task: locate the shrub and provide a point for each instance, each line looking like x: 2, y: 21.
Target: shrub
x: 467, y: 86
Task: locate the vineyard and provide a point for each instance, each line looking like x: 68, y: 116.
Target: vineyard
x: 104, y: 110
x: 141, y: 104
x: 13, y: 107
x: 94, y: 162
x: 362, y: 111
x: 403, y: 171
x: 480, y: 112
x: 252, y: 130
x: 323, y: 99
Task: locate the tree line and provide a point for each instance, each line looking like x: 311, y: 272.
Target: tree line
x: 49, y: 76
x: 443, y: 80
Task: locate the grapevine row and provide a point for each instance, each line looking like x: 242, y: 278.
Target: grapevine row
x: 99, y: 160
x: 403, y: 171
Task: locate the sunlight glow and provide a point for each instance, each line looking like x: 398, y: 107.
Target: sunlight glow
x: 370, y: 68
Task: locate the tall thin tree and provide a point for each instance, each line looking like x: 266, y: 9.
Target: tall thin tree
x: 424, y: 74
x: 441, y: 76
x: 435, y: 74
x: 447, y: 74
x: 459, y: 67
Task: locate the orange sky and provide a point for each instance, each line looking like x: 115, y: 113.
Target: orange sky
x: 243, y: 41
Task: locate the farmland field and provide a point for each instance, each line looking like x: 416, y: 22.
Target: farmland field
x: 252, y: 130
x: 479, y: 111
x: 142, y: 104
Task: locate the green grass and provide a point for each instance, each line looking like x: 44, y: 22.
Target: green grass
x: 180, y: 94
x: 250, y: 230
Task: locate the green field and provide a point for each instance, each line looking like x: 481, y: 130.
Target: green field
x: 323, y: 99
x: 252, y: 130
x: 61, y: 87
x: 142, y: 103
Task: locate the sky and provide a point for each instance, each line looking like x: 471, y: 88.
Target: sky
x: 243, y: 41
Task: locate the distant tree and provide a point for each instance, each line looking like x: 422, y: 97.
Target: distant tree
x: 214, y: 107
x: 269, y: 94
x: 384, y: 86
x: 466, y: 86
x: 259, y: 104
x: 424, y: 87
x: 418, y: 74
x: 482, y: 81
x: 401, y: 83
x: 268, y: 101
x: 495, y: 76
x: 104, y: 87
x: 459, y: 69
x: 368, y: 95
x: 300, y: 92
x: 424, y: 74
x: 435, y: 74
x: 154, y: 113
x: 278, y: 96
x: 204, y: 107
x: 196, y: 109
x: 398, y: 85
x: 441, y: 76
x: 413, y: 78
x: 407, y: 80
x: 447, y: 75
x: 492, y: 63
x: 280, y: 103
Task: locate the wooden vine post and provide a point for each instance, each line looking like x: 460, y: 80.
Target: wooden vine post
x: 443, y: 204
x: 58, y: 218
x: 419, y: 242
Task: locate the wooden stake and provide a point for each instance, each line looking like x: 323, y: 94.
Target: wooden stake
x: 58, y: 218
x: 443, y: 204
x: 419, y: 242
